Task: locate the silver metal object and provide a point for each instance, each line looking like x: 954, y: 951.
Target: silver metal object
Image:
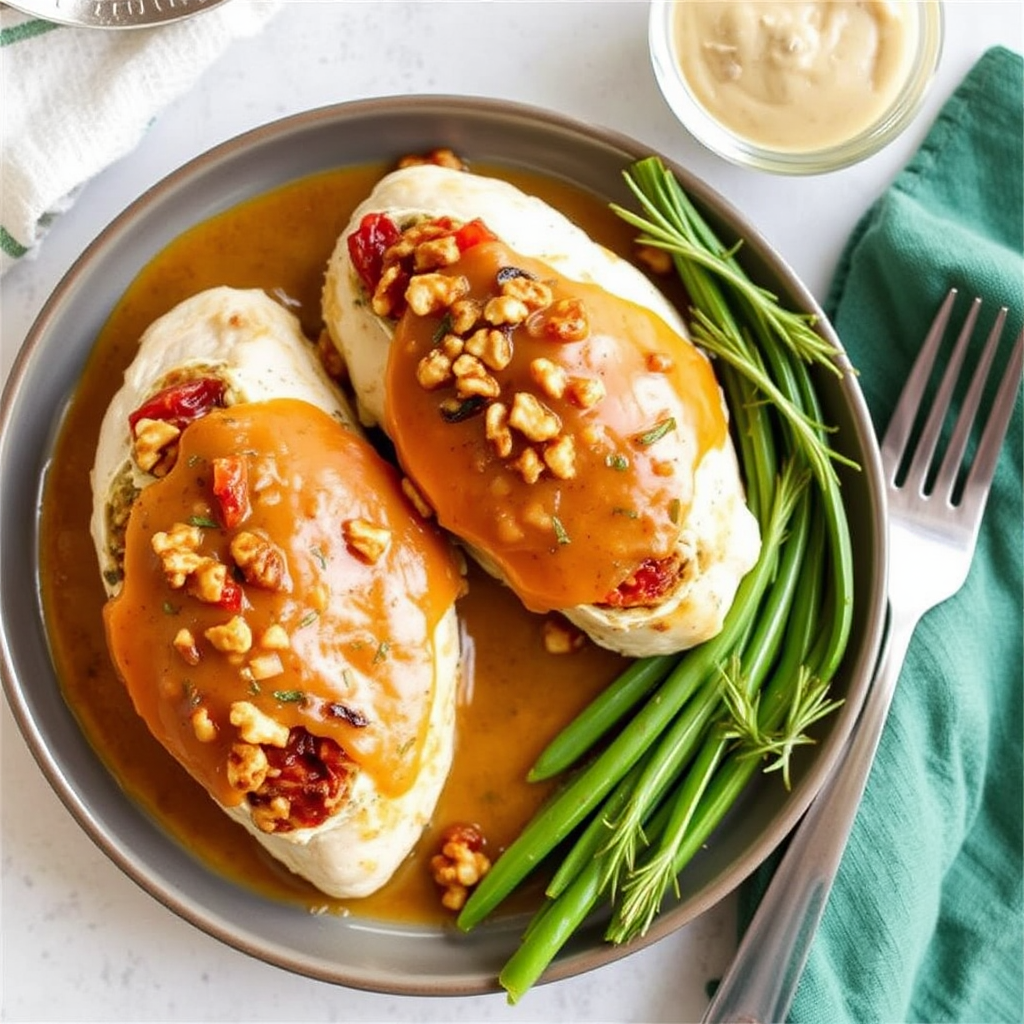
x: 933, y: 528
x: 115, y: 14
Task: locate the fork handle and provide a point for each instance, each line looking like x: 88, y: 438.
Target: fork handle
x: 759, y: 985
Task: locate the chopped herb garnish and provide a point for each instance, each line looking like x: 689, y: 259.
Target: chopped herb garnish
x: 346, y: 676
x: 171, y: 609
x: 657, y: 432
x: 509, y: 273
x: 560, y: 535
x: 191, y: 694
x: 674, y: 509
x: 308, y: 619
x: 254, y: 687
x: 629, y: 513
x: 289, y: 696
x: 318, y: 554
x: 617, y: 462
x: 204, y: 521
x: 444, y: 327
x: 455, y: 411
x: 382, y: 651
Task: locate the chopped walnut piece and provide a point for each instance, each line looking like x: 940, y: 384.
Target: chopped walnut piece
x: 261, y: 562
x: 266, y: 666
x: 505, y: 309
x: 492, y: 347
x: 208, y: 580
x: 496, y: 429
x: 436, y: 252
x: 509, y: 531
x: 560, y: 457
x: 532, y: 418
x: 387, y: 295
x: 584, y: 392
x: 152, y: 438
x: 366, y: 539
x: 465, y: 313
x: 452, y: 346
x: 549, y: 377
x: 460, y: 865
x: 528, y: 465
x: 561, y: 637
x: 232, y: 637
x: 254, y: 726
x: 427, y: 294
x: 565, y: 320
x: 266, y: 816
x: 177, y: 550
x: 434, y: 370
x: 412, y: 492
x: 657, y: 260
x: 472, y: 378
x: 275, y: 638
x: 203, y: 726
x: 532, y: 294
x: 247, y: 767
x: 441, y: 157
x: 184, y: 643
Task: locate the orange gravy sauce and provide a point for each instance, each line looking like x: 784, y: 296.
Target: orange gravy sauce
x: 562, y: 540
x: 514, y: 696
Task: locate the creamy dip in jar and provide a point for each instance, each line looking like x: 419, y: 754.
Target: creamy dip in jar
x: 795, y: 76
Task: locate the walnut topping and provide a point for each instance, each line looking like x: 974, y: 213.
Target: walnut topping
x: 560, y: 457
x: 266, y: 666
x: 184, y: 643
x: 528, y: 465
x: 532, y: 294
x: 267, y: 816
x: 584, y: 392
x: 436, y: 252
x: 254, y: 726
x: 366, y: 539
x: 177, y: 549
x: 387, y: 295
x: 427, y: 294
x: 532, y: 418
x: 460, y: 865
x: 203, y: 726
x: 496, y: 429
x: 565, y: 320
x: 492, y: 347
x: 549, y: 377
x: 412, y: 492
x: 441, y: 157
x: 434, y: 370
x: 208, y: 581
x: 232, y: 637
x: 275, y: 638
x: 465, y: 313
x: 261, y: 562
x: 505, y: 309
x: 247, y: 767
x: 152, y: 438
x: 560, y: 636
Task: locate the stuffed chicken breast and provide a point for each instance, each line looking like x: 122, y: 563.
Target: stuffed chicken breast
x: 542, y: 395
x: 282, y: 617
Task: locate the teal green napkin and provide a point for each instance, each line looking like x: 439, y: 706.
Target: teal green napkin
x: 925, y: 920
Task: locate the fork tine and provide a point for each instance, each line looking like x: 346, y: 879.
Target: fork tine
x: 918, y: 470
x: 945, y: 481
x: 983, y: 468
x: 901, y: 424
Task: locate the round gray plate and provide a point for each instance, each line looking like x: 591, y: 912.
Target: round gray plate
x: 352, y: 951
x: 115, y: 13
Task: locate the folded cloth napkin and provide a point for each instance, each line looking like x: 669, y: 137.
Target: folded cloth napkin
x: 925, y: 919
x: 76, y: 99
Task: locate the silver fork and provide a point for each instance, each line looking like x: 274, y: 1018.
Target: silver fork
x: 933, y: 529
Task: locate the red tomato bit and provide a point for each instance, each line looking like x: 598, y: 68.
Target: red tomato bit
x: 231, y: 489
x: 181, y: 404
x: 366, y: 246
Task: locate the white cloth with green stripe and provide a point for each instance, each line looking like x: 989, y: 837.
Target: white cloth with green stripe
x: 75, y: 100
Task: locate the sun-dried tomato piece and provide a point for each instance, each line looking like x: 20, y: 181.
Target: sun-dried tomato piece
x: 367, y: 244
x: 646, y: 585
x: 181, y: 404
x: 231, y: 489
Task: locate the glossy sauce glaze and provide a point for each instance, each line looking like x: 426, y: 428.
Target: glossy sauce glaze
x: 514, y: 696
x: 307, y: 476
x: 571, y: 535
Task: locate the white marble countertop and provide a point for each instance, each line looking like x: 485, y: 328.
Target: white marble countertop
x: 80, y: 942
